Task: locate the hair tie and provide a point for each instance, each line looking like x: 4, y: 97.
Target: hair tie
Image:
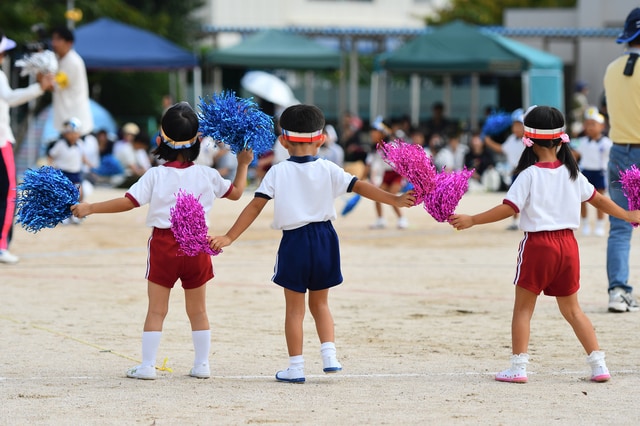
x: 565, y: 138
x: 527, y: 142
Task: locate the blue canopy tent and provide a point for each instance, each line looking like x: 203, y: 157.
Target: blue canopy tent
x: 106, y: 44
x: 460, y: 48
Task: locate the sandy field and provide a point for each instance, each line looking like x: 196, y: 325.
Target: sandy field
x: 422, y: 325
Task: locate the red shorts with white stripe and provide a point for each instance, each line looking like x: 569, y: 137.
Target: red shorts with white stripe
x: 166, y: 263
x: 549, y: 262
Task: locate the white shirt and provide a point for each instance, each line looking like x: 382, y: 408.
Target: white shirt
x: 512, y: 148
x: 547, y: 198
x: 72, y: 100
x: 594, y: 155
x: 159, y: 185
x: 66, y: 157
x: 10, y: 98
x: 304, y: 190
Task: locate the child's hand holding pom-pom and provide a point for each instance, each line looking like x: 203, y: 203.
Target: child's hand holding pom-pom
x: 630, y: 181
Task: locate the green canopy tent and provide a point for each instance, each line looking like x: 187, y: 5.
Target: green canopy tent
x: 276, y: 49
x: 459, y: 48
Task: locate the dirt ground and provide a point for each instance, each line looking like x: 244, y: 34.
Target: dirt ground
x: 422, y: 325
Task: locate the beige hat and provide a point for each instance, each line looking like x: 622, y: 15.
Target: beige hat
x: 131, y: 128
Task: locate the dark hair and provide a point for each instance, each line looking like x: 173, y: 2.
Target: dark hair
x: 64, y: 33
x: 302, y: 118
x: 545, y: 117
x: 180, y: 123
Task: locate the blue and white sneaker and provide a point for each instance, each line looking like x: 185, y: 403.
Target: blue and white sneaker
x: 291, y: 375
x: 330, y: 364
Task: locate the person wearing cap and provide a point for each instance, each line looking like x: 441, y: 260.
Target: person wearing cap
x: 580, y: 103
x: 382, y: 174
x: 511, y: 149
x: 11, y: 98
x: 125, y: 153
x: 71, y: 95
x: 592, y: 152
x: 304, y: 188
x: 622, y: 89
x: 178, y: 144
x: 67, y: 155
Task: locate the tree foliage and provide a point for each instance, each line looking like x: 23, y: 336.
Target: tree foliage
x: 127, y: 95
x: 488, y: 12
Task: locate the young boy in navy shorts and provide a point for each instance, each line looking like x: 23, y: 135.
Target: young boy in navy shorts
x: 304, y: 189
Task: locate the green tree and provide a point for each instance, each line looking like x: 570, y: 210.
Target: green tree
x: 127, y: 95
x: 488, y: 12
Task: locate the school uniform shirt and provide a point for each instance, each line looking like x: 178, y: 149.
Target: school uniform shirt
x: 547, y: 199
x: 10, y: 98
x: 594, y: 154
x: 159, y: 185
x: 304, y: 190
x: 66, y: 157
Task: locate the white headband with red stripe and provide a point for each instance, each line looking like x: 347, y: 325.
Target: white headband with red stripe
x: 302, y: 137
x: 530, y: 132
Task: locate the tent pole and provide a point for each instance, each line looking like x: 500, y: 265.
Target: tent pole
x: 475, y: 96
x: 374, y: 95
x: 217, y: 79
x: 415, y: 99
x: 308, y: 87
x: 342, y: 90
x: 353, y: 78
x: 446, y: 94
x: 526, y: 89
x: 197, y: 84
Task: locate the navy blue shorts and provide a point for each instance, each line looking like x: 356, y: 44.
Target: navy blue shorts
x: 595, y: 178
x: 308, y: 258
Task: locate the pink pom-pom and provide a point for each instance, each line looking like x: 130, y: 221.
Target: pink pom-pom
x: 411, y: 162
x: 449, y: 189
x: 630, y: 180
x: 189, y: 226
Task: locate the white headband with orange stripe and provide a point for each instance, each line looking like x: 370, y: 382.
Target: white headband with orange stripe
x: 177, y: 144
x: 530, y: 132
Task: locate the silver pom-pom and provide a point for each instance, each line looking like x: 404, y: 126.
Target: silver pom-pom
x: 44, y: 62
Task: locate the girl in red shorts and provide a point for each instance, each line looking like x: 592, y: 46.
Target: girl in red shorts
x: 548, y: 194
x: 179, y: 145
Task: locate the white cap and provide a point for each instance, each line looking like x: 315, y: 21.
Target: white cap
x: 592, y: 113
x: 6, y: 44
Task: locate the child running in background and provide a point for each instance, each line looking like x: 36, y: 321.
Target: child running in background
x: 547, y: 194
x: 178, y: 144
x: 303, y: 189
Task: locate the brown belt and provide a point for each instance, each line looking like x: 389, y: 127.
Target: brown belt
x: 628, y: 145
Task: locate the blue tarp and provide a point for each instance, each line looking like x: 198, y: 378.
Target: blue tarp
x: 106, y: 44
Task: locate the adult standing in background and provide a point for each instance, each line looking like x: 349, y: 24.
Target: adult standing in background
x: 71, y: 95
x: 10, y: 98
x: 622, y: 88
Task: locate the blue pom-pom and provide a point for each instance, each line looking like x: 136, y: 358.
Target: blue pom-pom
x: 238, y: 122
x: 496, y: 124
x: 44, y: 198
x: 351, y: 204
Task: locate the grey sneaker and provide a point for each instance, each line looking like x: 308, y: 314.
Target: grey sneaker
x: 622, y: 301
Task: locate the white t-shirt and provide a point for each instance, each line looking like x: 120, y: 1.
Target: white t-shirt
x: 72, y: 100
x: 547, y: 198
x: 159, y: 186
x: 304, y: 190
x: 10, y: 98
x: 594, y: 155
x: 66, y: 157
x: 512, y: 149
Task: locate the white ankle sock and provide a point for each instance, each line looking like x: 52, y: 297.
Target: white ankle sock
x: 296, y: 361
x: 201, y: 346
x: 328, y: 349
x: 150, y: 344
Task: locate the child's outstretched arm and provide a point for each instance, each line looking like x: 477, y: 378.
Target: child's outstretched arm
x: 374, y: 193
x: 115, y: 205
x: 464, y: 221
x: 246, y: 218
x: 240, y: 181
x: 607, y: 205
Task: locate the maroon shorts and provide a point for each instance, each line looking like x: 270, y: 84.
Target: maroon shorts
x: 390, y: 178
x: 166, y: 263
x: 549, y: 262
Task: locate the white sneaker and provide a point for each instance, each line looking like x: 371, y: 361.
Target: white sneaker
x: 518, y: 371
x: 403, y: 223
x: 6, y: 257
x: 380, y: 223
x: 201, y: 371
x: 291, y: 375
x: 330, y: 364
x: 599, y: 229
x: 144, y: 372
x: 586, y: 230
x: 622, y: 301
